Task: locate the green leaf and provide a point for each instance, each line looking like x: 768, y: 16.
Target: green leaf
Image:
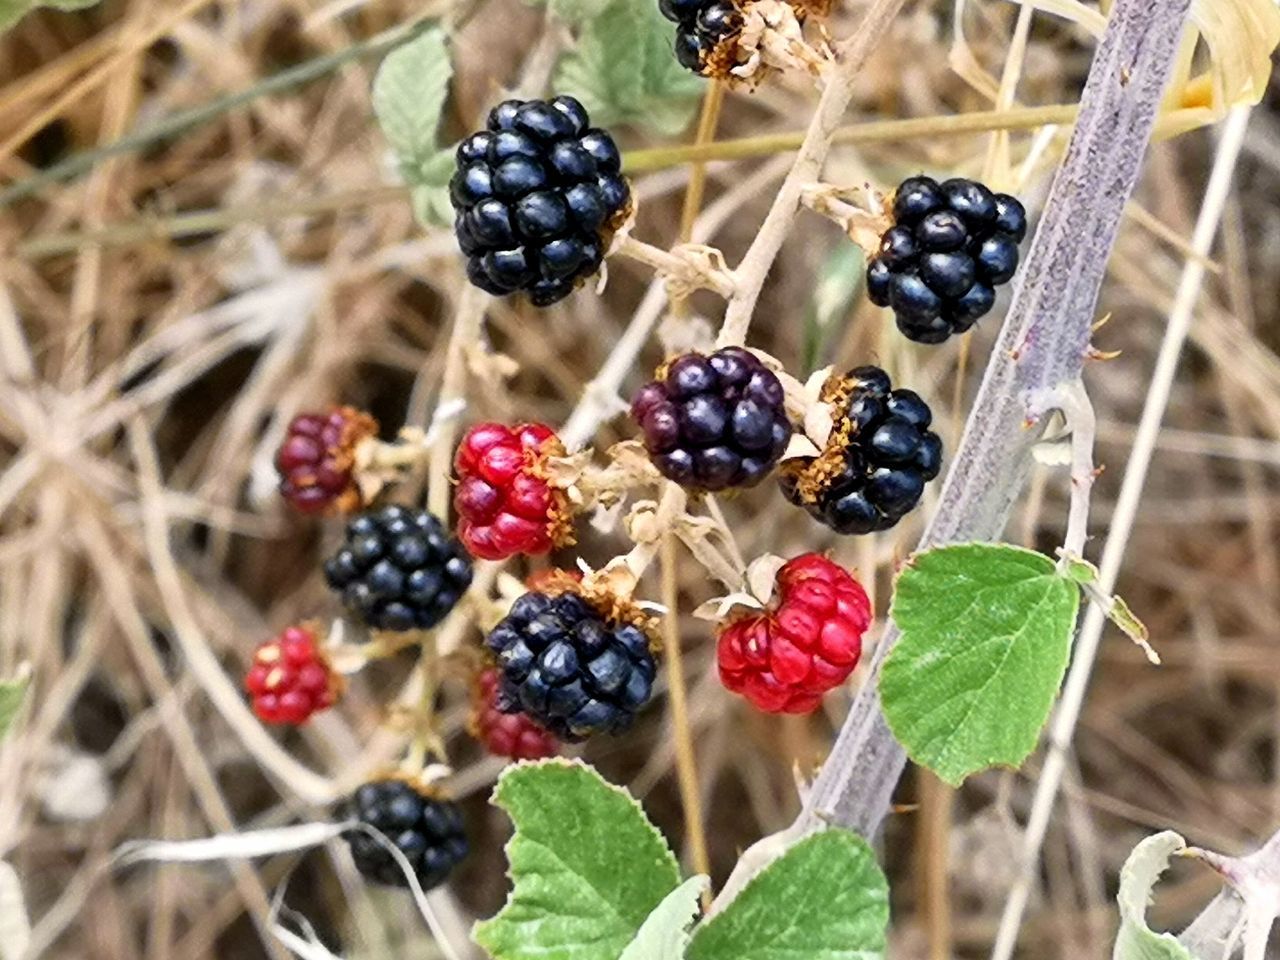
x: 664, y: 935
x: 430, y: 193
x: 587, y: 865
x: 824, y: 899
x: 13, y: 693
x: 408, y: 96
x: 986, y: 631
x: 1137, y: 941
x: 11, y: 11
x: 623, y: 69
x: 839, y: 280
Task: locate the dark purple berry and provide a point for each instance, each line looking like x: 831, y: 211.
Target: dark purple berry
x: 911, y: 297
x: 916, y: 197
x: 898, y: 248
x: 1011, y: 217
x: 948, y: 274
x: 879, y: 279
x: 426, y: 829
x: 714, y: 422
x: 973, y: 201
x: 997, y: 259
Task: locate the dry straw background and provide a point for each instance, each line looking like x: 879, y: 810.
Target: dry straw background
x: 148, y: 366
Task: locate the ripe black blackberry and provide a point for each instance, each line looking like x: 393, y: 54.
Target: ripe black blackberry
x: 880, y: 455
x: 398, y: 569
x: 537, y: 195
x: 714, y: 422
x: 570, y: 667
x: 950, y: 246
x: 701, y: 27
x: 426, y: 829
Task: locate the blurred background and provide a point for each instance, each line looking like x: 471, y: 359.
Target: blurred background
x: 164, y: 313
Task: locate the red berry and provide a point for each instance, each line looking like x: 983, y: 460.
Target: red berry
x: 505, y: 503
x: 512, y: 735
x: 317, y: 458
x: 785, y: 659
x: 291, y: 678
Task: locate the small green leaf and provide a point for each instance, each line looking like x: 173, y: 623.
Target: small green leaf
x: 429, y: 195
x: 1079, y: 569
x: 587, y: 865
x: 408, y: 96
x: 624, y: 71
x: 11, y: 11
x: 13, y: 693
x: 986, y: 631
x: 824, y: 899
x: 664, y: 935
x: 1137, y: 941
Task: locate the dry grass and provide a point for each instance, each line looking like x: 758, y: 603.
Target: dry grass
x: 144, y: 385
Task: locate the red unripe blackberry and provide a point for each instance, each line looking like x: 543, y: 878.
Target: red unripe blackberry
x: 713, y: 422
x: 505, y: 502
x: 877, y: 461
x: 951, y: 245
x: 317, y: 458
x: 785, y: 659
x: 503, y: 734
x: 291, y: 678
x: 424, y: 827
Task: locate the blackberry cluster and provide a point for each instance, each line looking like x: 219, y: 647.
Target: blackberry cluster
x: 701, y: 26
x: 880, y: 456
x: 569, y: 668
x: 714, y: 422
x: 398, y: 569
x: 951, y: 245
x: 537, y: 196
x: 427, y: 830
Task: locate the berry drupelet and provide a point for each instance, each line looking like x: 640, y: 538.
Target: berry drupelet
x: 880, y: 455
x: 506, y: 504
x: 291, y: 678
x: 317, y: 459
x: 714, y: 422
x: 538, y: 195
x: 511, y: 735
x: 785, y: 659
x: 426, y: 829
x: 951, y: 245
x: 570, y: 666
x: 398, y: 569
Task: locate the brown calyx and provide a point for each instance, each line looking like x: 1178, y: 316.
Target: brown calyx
x: 428, y: 791
x: 357, y: 426
x: 814, y: 476
x: 612, y: 607
x: 560, y: 514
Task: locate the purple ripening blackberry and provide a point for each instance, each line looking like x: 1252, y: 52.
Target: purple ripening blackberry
x: 880, y: 455
x: 537, y: 197
x: 714, y: 422
x: 951, y: 245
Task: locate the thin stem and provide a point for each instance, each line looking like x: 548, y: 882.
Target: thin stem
x: 751, y: 272
x: 426, y: 741
x: 468, y: 326
x: 1086, y: 647
x: 680, y: 266
x: 677, y: 693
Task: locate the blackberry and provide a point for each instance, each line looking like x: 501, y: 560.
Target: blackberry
x: 569, y: 667
x: 702, y: 26
x: 398, y: 569
x: 426, y: 829
x: 537, y: 195
x: 951, y: 245
x: 713, y: 422
x: 877, y: 461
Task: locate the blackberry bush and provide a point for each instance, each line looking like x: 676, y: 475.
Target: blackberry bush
x: 951, y: 245
x: 569, y: 666
x: 398, y: 569
x: 427, y: 829
x: 537, y: 196
x: 714, y: 422
x: 880, y: 455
